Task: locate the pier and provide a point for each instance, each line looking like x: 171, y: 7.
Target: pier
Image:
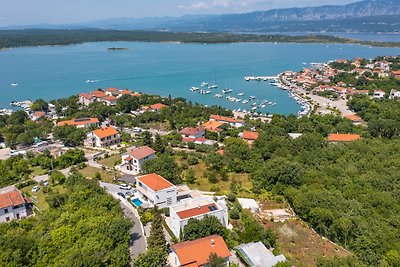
x: 261, y: 78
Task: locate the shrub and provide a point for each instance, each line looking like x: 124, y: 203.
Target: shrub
x: 231, y: 197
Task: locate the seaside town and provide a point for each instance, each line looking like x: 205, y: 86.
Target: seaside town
x: 197, y: 186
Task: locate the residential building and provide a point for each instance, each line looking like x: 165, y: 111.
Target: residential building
x: 156, y: 190
x: 133, y: 160
x: 112, y: 91
x: 86, y: 99
x: 37, y: 115
x: 193, y: 132
x: 396, y: 74
x: 255, y: 254
x: 249, y: 137
x: 13, y: 205
x: 379, y: 94
x: 196, y: 208
x: 213, y: 126
x: 354, y: 118
x: 394, y: 94
x: 158, y: 107
x: 336, y: 138
x: 109, y: 100
x: 197, y: 252
x: 249, y: 204
x: 103, y: 137
x: 81, y: 123
x: 231, y: 121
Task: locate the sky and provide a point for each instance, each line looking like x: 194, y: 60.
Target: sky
x: 28, y: 12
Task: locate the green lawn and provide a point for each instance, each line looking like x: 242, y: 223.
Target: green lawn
x: 110, y: 162
x: 38, y: 171
x: 39, y: 197
x: 90, y: 172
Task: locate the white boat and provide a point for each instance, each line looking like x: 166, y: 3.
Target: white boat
x: 213, y: 86
x: 245, y: 101
x: 194, y: 89
x: 203, y: 84
x: 253, y: 108
x: 227, y: 91
x: 252, y: 97
x: 241, y: 94
x: 14, y: 84
x: 205, y: 92
x: 90, y: 81
x: 217, y: 96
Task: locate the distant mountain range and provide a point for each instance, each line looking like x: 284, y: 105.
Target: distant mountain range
x: 363, y: 16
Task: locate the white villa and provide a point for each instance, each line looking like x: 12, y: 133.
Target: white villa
x: 103, y: 137
x: 133, y: 160
x: 196, y: 208
x: 156, y: 190
x: 13, y: 205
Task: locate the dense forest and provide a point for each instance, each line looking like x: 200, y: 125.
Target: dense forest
x: 82, y: 227
x: 38, y: 37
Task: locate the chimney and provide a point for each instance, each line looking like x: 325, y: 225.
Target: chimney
x: 212, y: 242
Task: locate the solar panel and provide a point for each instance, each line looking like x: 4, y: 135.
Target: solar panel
x: 212, y: 208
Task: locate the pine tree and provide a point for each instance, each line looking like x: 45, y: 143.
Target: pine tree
x: 156, y: 239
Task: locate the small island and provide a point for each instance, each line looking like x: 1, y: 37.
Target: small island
x: 116, y: 48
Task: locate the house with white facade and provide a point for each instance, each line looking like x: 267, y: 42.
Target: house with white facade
x: 86, y: 99
x: 197, y: 252
x: 196, y: 208
x: 379, y: 94
x: 394, y: 94
x: 193, y: 132
x: 133, y: 160
x: 156, y: 190
x: 13, y: 205
x: 103, y: 137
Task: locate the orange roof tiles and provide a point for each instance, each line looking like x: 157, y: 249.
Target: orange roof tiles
x: 110, y: 98
x: 158, y: 106
x: 142, y: 152
x: 192, y: 130
x: 76, y: 122
x: 343, y: 137
x: 197, y: 252
x: 105, y: 132
x: 87, y: 96
x: 189, y: 213
x: 212, y: 126
x: 111, y: 89
x: 125, y: 92
x: 98, y: 94
x: 224, y: 119
x: 353, y: 117
x: 250, y: 135
x: 155, y: 181
x: 39, y: 114
x: 11, y: 198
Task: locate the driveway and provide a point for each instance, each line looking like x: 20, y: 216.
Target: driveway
x: 137, y: 244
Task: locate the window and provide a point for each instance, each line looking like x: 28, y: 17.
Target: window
x: 7, y: 219
x: 5, y: 210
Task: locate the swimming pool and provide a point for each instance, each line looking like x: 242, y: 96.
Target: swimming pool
x: 137, y: 202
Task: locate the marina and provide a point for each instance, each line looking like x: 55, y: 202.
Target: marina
x: 168, y: 69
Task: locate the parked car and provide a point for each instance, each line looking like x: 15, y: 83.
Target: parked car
x: 121, y: 194
x: 45, y: 183
x: 129, y: 193
x: 125, y: 187
x: 35, y: 188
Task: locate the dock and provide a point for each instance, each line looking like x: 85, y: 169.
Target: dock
x: 261, y: 78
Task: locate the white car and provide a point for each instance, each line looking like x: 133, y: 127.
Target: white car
x: 125, y: 187
x: 35, y: 188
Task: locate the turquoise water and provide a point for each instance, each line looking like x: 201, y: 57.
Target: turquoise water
x: 137, y: 202
x: 164, y: 68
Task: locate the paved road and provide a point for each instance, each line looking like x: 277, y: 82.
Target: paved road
x: 137, y: 244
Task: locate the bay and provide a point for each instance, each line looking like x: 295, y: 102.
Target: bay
x: 165, y: 69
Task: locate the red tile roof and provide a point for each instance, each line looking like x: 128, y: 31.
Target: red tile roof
x: 158, y: 106
x: 189, y: 213
x: 105, y: 132
x: 225, y: 119
x: 197, y: 252
x: 39, y: 114
x: 76, y: 122
x: 250, y: 135
x: 11, y: 198
x: 353, y: 118
x: 192, y: 130
x: 343, y: 137
x: 110, y: 98
x: 111, y: 89
x: 213, y: 126
x: 142, y: 152
x: 98, y: 94
x: 87, y: 96
x: 155, y: 181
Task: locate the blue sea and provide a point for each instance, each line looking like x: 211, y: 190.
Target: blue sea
x: 165, y: 69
